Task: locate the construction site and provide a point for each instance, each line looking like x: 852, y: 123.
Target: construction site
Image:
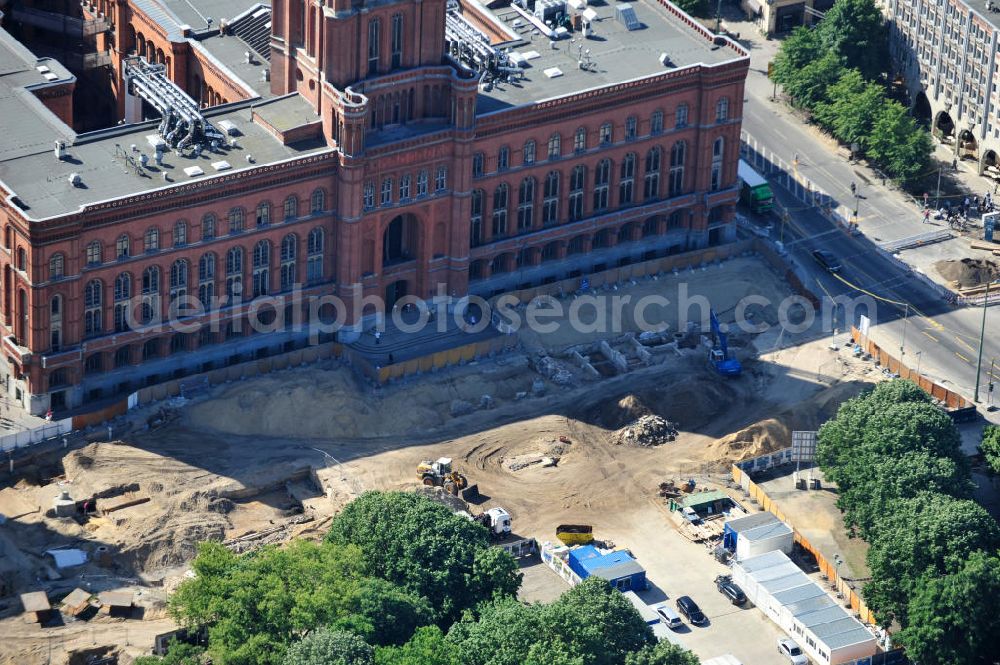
x: 566, y: 428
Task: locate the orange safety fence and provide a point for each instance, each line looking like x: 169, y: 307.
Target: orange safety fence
x: 828, y: 569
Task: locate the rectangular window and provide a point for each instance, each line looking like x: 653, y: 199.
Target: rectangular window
x: 404, y: 187
x: 422, y: 184
x: 369, y: 195
x: 441, y: 179
x: 630, y: 125
x: 477, y: 165
x: 476, y: 219
x: 386, y: 197
x: 397, y: 41
x: 529, y: 153
x: 503, y: 159
x: 605, y: 134
x: 374, y: 34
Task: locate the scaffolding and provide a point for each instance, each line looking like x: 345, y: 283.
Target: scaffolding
x: 182, y: 125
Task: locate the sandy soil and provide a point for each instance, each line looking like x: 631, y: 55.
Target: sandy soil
x: 968, y: 272
x: 230, y: 469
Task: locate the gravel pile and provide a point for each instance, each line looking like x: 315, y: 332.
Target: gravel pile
x: 649, y: 430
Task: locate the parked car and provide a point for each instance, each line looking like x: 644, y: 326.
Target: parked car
x: 690, y: 609
x: 729, y: 589
x: 670, y: 618
x: 791, y: 650
x: 827, y: 260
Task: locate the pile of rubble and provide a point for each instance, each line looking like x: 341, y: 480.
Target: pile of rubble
x: 648, y: 430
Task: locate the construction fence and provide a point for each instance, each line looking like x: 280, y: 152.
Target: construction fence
x: 828, y: 569
x: 948, y: 398
x: 431, y: 362
x: 30, y: 437
x: 558, y: 564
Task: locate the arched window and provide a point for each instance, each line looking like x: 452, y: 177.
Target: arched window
x: 555, y: 146
x: 374, y: 35
x: 478, y: 160
x: 317, y: 202
x: 261, y: 268
x: 314, y: 253
x: 291, y: 207
x: 580, y: 140
x: 206, y: 280
x: 180, y: 233
x: 289, y: 246
x: 476, y: 218
x: 550, y: 199
x: 152, y: 239
x: 55, y: 306
x: 236, y: 220
x: 602, y: 184
x: 500, y: 200
x: 234, y: 271
x: 263, y: 214
x: 718, y: 153
x: 123, y: 247
x: 678, y: 155
x: 626, y: 182
x: 22, y: 259
x: 92, y: 311
x: 151, y: 281
x: 656, y: 122
x: 208, y: 227
x: 94, y: 253
x: 57, y: 265
x: 526, y: 204
x: 577, y: 185
x: 651, y: 185
x: 722, y: 109
x: 397, y: 41
x: 123, y: 292
x: 178, y: 278
x: 681, y: 116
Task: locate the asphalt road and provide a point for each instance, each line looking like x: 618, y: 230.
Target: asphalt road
x: 942, y: 339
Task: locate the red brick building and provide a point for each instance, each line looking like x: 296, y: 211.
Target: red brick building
x: 399, y: 148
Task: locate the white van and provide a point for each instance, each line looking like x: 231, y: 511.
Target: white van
x: 669, y: 617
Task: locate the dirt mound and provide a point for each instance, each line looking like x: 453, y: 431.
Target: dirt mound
x: 646, y: 431
x: 626, y: 410
x: 968, y: 272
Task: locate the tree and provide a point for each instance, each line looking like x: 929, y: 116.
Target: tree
x: 693, y: 7
x: 930, y: 534
x: 503, y: 633
x: 419, y: 544
x: 955, y: 619
x: 382, y: 613
x: 330, y: 647
x: 808, y: 87
x: 799, y: 49
x: 663, y: 653
x: 898, y: 144
x: 178, y: 653
x: 990, y: 447
x: 876, y: 481
x: 428, y: 646
x: 257, y: 604
x: 855, y: 32
x: 852, y: 109
x: 840, y: 437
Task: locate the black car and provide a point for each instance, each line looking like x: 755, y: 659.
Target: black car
x: 827, y: 260
x: 730, y: 590
x: 690, y: 609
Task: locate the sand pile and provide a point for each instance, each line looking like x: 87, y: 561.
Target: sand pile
x: 968, y: 272
x: 614, y: 414
x: 646, y: 431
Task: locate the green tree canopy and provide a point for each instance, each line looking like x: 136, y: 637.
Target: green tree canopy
x: 810, y: 85
x: 663, y: 653
x: 855, y: 31
x: 799, y: 49
x: 419, y: 544
x: 851, y: 109
x: 591, y: 624
x: 955, y: 619
x: 178, y: 653
x: 930, y: 534
x: 898, y: 144
x: 990, y: 447
x: 330, y: 647
x: 694, y: 7
x: 428, y: 646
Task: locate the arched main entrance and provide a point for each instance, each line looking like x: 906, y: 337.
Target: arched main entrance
x: 922, y: 109
x: 967, y: 145
x: 393, y: 293
x: 990, y: 163
x: 400, y: 240
x: 944, y: 127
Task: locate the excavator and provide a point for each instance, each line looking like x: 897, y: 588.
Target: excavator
x: 440, y: 474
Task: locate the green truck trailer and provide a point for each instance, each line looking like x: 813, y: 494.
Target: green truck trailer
x: 755, y: 193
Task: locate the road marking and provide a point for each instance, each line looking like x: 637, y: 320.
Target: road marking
x: 965, y: 344
x: 963, y: 357
x: 929, y: 335
x: 823, y: 287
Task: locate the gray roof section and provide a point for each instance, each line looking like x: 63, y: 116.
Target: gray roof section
x: 228, y: 53
x: 194, y: 12
x: 27, y: 124
x: 741, y: 524
x: 620, y: 55
x: 42, y: 182
x: 624, y: 569
x: 288, y: 112
x: 767, y: 531
x: 828, y: 621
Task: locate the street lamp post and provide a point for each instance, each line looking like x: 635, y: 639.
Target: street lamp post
x: 838, y: 560
x: 902, y: 342
x: 982, y: 335
x: 937, y: 199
